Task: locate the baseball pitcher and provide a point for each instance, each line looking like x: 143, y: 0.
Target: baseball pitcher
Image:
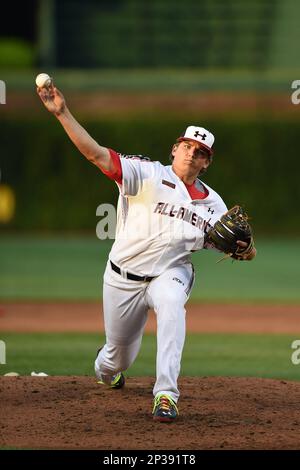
x: 165, y: 213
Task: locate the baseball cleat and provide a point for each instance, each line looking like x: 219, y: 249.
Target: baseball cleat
x: 117, y: 382
x: 164, y: 409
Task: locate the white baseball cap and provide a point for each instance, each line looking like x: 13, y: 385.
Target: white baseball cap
x: 199, y: 134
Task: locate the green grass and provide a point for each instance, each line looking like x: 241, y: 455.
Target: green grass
x: 272, y: 276
x: 204, y: 355
x: 52, y: 268
x: 71, y: 268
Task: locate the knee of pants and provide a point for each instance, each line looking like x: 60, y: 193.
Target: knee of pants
x: 112, y: 368
x: 116, y: 358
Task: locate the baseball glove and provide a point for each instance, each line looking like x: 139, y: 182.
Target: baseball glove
x: 231, y: 227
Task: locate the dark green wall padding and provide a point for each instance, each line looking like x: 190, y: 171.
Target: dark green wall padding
x: 256, y: 164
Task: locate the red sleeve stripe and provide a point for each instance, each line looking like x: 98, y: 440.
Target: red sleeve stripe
x: 116, y: 174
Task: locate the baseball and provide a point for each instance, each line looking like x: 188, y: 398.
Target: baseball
x: 43, y: 80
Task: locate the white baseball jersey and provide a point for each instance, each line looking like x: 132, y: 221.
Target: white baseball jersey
x: 159, y: 225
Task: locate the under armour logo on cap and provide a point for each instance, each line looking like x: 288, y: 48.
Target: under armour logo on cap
x: 199, y: 134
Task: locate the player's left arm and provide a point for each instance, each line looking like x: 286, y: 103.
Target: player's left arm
x: 223, y: 231
x: 246, y: 257
x: 219, y: 209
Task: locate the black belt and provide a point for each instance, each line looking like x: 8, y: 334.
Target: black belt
x: 130, y: 276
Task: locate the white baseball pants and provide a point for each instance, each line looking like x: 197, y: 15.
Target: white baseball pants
x: 126, y: 304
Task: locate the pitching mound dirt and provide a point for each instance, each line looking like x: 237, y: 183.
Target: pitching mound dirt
x: 215, y: 413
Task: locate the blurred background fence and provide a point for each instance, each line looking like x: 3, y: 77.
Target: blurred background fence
x: 164, y: 33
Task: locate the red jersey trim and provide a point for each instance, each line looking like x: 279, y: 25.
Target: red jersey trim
x: 194, y: 193
x: 116, y: 174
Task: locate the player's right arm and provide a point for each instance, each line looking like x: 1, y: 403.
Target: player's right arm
x: 100, y: 156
